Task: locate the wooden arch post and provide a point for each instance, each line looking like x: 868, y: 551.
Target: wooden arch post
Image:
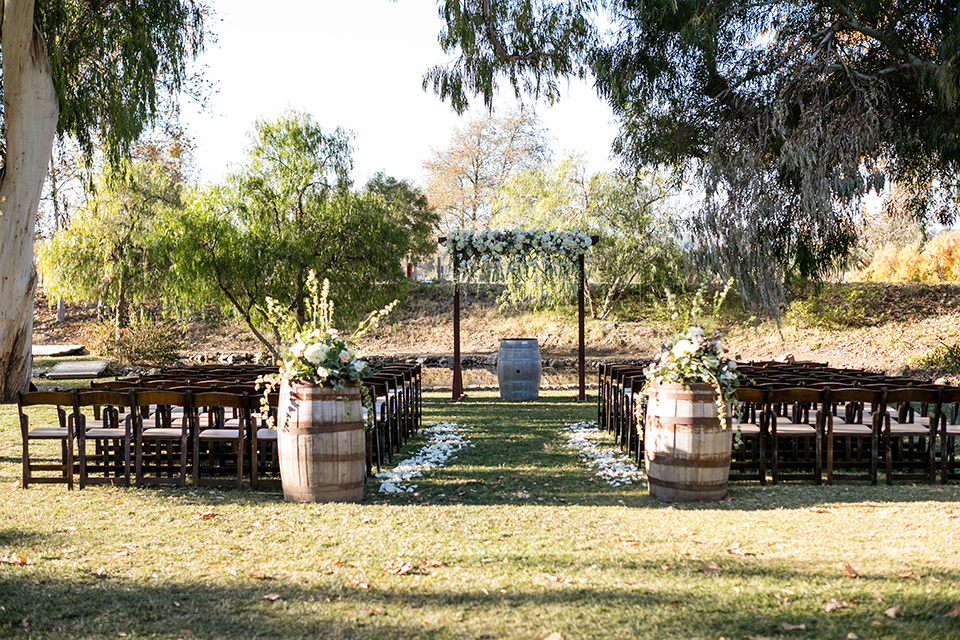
x: 457, y: 393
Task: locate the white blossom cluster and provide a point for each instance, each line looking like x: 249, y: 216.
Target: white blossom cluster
x: 445, y: 440
x: 613, y: 467
x: 475, y: 249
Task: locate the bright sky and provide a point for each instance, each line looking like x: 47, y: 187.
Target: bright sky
x: 357, y: 64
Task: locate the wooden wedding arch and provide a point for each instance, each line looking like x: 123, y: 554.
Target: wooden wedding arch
x: 510, y: 244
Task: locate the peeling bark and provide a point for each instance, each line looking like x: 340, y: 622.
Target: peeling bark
x: 30, y: 112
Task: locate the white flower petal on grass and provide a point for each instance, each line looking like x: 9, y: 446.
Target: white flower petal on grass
x: 612, y: 466
x: 445, y: 440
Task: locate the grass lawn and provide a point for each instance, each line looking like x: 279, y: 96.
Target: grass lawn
x: 516, y: 538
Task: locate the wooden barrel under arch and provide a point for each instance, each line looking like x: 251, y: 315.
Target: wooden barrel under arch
x: 519, y: 369
x: 321, y: 443
x: 687, y: 453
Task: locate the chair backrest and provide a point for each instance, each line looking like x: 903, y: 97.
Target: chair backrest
x: 221, y: 399
x: 794, y: 394
x: 34, y: 398
x: 147, y: 397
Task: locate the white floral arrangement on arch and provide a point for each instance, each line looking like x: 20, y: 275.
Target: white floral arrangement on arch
x: 475, y: 249
x: 692, y: 357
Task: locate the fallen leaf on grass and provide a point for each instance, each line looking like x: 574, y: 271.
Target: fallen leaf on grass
x: 434, y: 563
x: 876, y: 623
x: 272, y: 597
x: 779, y: 598
x: 401, y: 569
x: 735, y: 549
x: 713, y: 567
x: 953, y: 613
x: 554, y: 636
x: 373, y: 611
x: 817, y: 510
x: 260, y: 576
x: 893, y: 612
x: 833, y: 604
x: 17, y: 485
x: 100, y: 572
x: 203, y: 515
x: 359, y: 585
x: 908, y: 575
x: 849, y: 571
x: 553, y: 578
x: 786, y: 626
x: 14, y: 559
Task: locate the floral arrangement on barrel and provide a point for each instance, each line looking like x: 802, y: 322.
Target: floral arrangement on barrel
x: 316, y: 352
x: 692, y: 357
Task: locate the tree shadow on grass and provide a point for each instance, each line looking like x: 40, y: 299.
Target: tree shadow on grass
x: 88, y: 606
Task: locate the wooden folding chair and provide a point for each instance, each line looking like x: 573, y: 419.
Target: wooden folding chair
x: 748, y: 461
x: 852, y: 437
x: 161, y: 440
x: 910, y: 438
x: 58, y: 428
x: 796, y: 438
x: 104, y: 419
x: 218, y: 439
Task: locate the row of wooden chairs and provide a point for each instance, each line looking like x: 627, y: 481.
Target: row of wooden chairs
x: 160, y: 429
x: 827, y: 428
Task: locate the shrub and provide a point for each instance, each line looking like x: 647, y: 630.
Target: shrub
x: 140, y: 343
x: 945, y: 357
x: 939, y: 261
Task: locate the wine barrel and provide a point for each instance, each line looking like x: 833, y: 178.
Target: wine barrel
x: 687, y: 452
x: 321, y: 443
x: 519, y: 369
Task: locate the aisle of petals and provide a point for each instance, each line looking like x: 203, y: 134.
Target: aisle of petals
x: 444, y: 440
x: 612, y: 466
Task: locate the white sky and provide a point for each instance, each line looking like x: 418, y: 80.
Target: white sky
x: 357, y: 64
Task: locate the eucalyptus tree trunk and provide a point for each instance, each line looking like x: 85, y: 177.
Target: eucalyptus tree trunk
x: 30, y: 121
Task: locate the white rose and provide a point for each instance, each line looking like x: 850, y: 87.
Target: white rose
x: 683, y: 347
x: 344, y: 356
x: 359, y: 366
x: 297, y: 350
x: 316, y: 353
x: 323, y: 373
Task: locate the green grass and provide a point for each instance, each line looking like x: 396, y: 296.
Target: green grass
x: 577, y: 556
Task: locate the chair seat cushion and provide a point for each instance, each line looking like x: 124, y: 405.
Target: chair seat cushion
x: 266, y: 434
x: 790, y: 429
x: 220, y: 434
x: 47, y: 432
x: 105, y: 433
x: 162, y: 432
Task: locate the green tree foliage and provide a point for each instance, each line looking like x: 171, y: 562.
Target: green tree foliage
x: 108, y: 250
x: 114, y: 63
x: 789, y: 113
x: 90, y: 70
x: 288, y: 210
x: 635, y: 229
x: 409, y: 208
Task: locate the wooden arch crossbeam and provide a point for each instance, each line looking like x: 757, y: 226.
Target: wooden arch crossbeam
x: 457, y: 393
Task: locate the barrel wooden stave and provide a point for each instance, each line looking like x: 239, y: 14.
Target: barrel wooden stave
x: 686, y: 451
x: 321, y: 443
x: 519, y: 369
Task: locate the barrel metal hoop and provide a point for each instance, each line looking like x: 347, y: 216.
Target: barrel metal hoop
x: 700, y: 487
x: 332, y: 427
